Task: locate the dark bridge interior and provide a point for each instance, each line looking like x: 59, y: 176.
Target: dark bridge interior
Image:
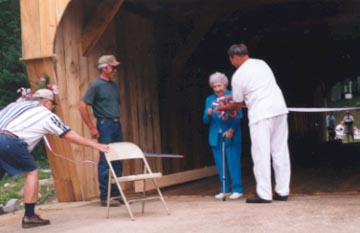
x: 310, y: 45
x: 307, y: 43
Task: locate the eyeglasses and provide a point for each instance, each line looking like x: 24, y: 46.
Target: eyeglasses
x: 52, y: 102
x: 113, y: 67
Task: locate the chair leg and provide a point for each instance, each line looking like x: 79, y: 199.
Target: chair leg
x: 125, y: 201
x: 161, y: 196
x: 108, y: 195
x: 143, y: 196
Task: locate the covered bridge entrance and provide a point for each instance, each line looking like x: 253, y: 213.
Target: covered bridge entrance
x: 167, y: 49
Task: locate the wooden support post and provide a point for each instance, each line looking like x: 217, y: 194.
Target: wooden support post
x: 93, y: 31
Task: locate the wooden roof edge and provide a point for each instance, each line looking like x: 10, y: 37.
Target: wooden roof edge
x: 103, y: 16
x: 37, y: 57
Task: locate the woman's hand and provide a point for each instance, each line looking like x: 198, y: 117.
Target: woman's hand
x: 210, y: 111
x: 229, y: 133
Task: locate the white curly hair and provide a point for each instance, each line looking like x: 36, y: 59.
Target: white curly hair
x: 218, y: 77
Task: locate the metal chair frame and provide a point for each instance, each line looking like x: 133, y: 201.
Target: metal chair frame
x: 130, y: 151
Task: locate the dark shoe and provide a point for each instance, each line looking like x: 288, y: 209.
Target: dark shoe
x: 113, y: 203
x: 34, y: 221
x: 115, y: 194
x: 256, y: 199
x: 119, y: 199
x: 278, y: 197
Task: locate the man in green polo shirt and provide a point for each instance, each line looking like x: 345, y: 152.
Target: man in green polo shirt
x: 103, y: 96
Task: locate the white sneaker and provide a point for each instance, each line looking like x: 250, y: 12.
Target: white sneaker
x: 221, y: 195
x: 234, y: 196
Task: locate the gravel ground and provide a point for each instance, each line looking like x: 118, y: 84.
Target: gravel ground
x: 308, y: 213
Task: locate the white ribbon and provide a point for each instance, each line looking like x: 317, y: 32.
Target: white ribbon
x: 322, y: 109
x: 162, y: 155
x: 92, y: 162
x: 63, y: 157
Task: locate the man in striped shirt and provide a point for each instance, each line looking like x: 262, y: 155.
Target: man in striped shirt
x: 22, y: 125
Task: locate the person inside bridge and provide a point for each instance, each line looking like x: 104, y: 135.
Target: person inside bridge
x: 104, y: 98
x: 339, y: 131
x: 254, y: 85
x: 330, y: 126
x: 349, y: 126
x: 22, y: 125
x: 224, y: 126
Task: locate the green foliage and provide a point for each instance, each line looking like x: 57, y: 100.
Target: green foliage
x: 11, y: 191
x: 40, y: 156
x: 16, y: 183
x: 10, y: 187
x: 46, y: 193
x: 42, y: 83
x: 12, y: 70
x: 354, y: 102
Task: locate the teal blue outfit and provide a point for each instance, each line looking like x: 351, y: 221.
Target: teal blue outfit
x: 218, y: 127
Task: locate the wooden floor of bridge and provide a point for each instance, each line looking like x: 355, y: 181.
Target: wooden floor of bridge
x: 329, y: 169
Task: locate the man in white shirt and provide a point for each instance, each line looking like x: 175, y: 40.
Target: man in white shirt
x: 254, y: 86
x: 22, y: 125
x: 349, y: 126
x: 339, y: 130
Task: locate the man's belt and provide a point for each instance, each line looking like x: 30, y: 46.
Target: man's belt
x: 8, y: 133
x: 109, y: 119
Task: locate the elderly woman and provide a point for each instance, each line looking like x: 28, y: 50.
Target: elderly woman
x: 224, y: 125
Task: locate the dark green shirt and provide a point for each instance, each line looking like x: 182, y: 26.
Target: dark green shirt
x: 104, y: 98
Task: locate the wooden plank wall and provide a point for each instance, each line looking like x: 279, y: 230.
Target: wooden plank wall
x: 306, y: 126
x: 65, y: 179
x: 139, y: 88
x: 62, y: 61
x: 136, y: 80
x: 39, y: 19
x: 75, y: 73
x: 182, y: 98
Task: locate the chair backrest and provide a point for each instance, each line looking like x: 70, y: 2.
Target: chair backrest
x: 124, y: 150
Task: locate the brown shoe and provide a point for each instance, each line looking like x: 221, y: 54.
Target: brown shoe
x: 113, y: 203
x: 34, y: 221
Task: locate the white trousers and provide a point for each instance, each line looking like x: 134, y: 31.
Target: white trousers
x: 269, y: 141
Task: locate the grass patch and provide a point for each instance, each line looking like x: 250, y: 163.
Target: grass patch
x: 355, y: 102
x: 10, y: 187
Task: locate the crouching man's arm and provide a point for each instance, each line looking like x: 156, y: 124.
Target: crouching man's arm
x: 73, y: 137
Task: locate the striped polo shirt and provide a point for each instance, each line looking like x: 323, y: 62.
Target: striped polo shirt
x: 30, y: 121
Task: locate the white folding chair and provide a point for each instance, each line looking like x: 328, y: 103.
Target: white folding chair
x: 129, y: 151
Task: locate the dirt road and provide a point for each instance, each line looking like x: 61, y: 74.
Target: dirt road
x: 301, y: 214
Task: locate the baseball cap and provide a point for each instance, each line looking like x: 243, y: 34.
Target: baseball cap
x: 107, y: 60
x: 44, y: 94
